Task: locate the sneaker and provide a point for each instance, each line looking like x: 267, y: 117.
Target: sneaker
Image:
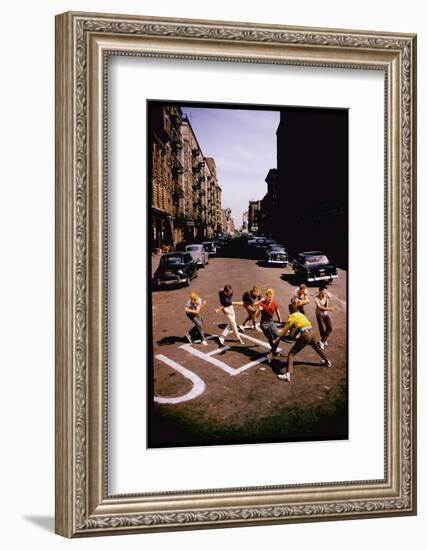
x: 258, y: 327
x: 248, y: 326
x: 188, y: 338
x: 327, y: 363
x: 286, y: 377
x: 221, y: 340
x: 204, y: 343
x: 241, y: 328
x: 325, y: 343
x: 320, y: 345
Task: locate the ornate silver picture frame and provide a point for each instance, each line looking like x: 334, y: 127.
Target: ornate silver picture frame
x: 84, y: 42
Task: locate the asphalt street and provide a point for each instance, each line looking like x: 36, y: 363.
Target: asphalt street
x: 233, y: 387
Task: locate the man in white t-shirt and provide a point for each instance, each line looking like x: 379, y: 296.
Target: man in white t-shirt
x: 192, y: 310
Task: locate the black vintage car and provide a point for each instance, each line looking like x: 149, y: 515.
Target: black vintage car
x: 314, y: 266
x: 275, y: 254
x: 176, y: 268
x: 209, y: 247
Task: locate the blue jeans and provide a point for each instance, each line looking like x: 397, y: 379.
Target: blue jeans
x: 271, y: 333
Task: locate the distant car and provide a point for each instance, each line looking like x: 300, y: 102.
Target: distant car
x: 314, y: 266
x: 275, y: 254
x: 257, y: 242
x: 198, y: 253
x: 209, y: 247
x: 263, y: 242
x: 220, y: 241
x: 176, y: 268
x: 268, y: 242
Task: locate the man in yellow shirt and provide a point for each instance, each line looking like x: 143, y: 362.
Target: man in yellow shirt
x: 301, y: 330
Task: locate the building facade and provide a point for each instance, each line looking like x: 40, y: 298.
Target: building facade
x: 167, y: 185
x: 253, y: 217
x: 268, y: 215
x: 185, y: 194
x: 214, y: 219
x: 227, y: 222
x: 245, y: 222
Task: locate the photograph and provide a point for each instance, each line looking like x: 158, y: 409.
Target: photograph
x: 247, y: 273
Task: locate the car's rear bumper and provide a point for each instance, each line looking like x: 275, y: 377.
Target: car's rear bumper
x: 281, y: 262
x: 312, y: 279
x: 171, y: 282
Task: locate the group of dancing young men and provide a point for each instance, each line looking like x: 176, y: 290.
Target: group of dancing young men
x: 261, y: 312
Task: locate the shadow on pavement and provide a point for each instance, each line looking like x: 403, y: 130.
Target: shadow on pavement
x: 170, y: 340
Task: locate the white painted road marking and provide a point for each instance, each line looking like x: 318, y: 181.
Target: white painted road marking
x: 260, y: 342
x: 251, y: 364
x: 218, y: 350
x: 220, y: 364
x: 209, y: 359
x: 198, y: 385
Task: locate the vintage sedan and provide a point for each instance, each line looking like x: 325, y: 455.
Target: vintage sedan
x: 209, y: 247
x: 275, y: 254
x: 257, y: 242
x: 198, y: 253
x: 176, y: 268
x: 314, y: 266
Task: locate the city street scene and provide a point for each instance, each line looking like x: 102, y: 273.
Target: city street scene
x: 248, y: 222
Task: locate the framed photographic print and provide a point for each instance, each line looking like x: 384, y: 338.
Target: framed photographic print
x: 235, y: 276
x: 212, y: 228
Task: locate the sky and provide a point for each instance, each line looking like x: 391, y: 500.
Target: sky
x: 243, y: 144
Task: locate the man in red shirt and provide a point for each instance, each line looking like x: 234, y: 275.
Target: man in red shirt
x: 268, y: 308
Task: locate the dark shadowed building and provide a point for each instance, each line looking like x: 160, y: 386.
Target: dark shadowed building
x: 269, y: 211
x: 312, y: 182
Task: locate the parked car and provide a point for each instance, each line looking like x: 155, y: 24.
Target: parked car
x: 220, y: 241
x: 198, y: 253
x: 275, y: 254
x: 209, y: 247
x: 314, y: 266
x: 268, y: 242
x: 257, y: 242
x: 176, y: 268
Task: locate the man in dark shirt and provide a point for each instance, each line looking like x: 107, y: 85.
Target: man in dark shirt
x: 226, y: 301
x: 251, y: 299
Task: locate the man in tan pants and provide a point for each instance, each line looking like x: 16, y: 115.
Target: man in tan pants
x: 226, y: 300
